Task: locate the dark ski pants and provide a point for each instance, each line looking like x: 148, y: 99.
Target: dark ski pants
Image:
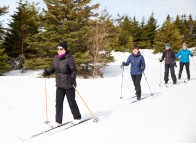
x: 187, y: 70
x: 136, y: 81
x: 171, y: 67
x: 70, y: 94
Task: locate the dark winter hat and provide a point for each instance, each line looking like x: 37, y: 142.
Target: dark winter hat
x: 167, y: 45
x: 64, y: 45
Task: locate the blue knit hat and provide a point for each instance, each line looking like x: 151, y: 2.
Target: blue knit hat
x: 167, y: 45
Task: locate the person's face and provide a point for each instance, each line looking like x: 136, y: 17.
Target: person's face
x: 60, y: 50
x: 183, y: 46
x: 135, y: 51
x: 166, y: 48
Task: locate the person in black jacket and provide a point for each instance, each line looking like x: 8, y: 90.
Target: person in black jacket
x: 170, y: 62
x: 64, y: 68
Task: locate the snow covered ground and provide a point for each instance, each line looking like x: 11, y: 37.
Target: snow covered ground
x: 167, y: 117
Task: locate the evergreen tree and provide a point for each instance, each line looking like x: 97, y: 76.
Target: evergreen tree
x: 151, y: 27
x: 21, y: 27
x: 63, y: 20
x: 168, y: 33
x: 4, y: 66
x: 124, y: 37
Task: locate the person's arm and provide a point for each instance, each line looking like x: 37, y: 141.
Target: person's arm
x: 178, y: 54
x: 50, y: 71
x: 163, y: 56
x: 143, y: 66
x: 127, y: 62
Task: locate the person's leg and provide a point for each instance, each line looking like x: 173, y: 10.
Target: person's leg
x: 180, y: 70
x: 166, y: 74
x: 133, y: 79
x: 187, y: 65
x: 138, y: 86
x: 70, y: 94
x: 173, y: 73
x: 60, y: 94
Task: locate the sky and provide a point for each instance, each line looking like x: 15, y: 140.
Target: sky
x: 138, y: 8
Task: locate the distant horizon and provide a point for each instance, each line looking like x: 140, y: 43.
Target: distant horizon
x: 130, y: 8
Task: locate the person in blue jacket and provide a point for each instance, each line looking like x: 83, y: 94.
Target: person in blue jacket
x: 137, y: 67
x: 184, y: 54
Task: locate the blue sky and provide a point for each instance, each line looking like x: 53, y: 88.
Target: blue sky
x: 138, y: 8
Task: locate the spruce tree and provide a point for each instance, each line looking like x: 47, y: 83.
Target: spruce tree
x: 168, y: 33
x: 4, y: 66
x: 20, y: 28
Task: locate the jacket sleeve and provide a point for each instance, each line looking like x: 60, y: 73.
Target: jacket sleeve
x: 128, y: 61
x: 173, y: 56
x: 52, y: 69
x: 178, y: 54
x: 72, y: 67
x: 190, y: 53
x: 143, y: 66
x: 163, y: 56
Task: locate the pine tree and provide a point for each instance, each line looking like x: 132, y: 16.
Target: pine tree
x: 21, y: 27
x: 151, y: 27
x: 4, y: 66
x: 168, y: 33
x: 124, y: 37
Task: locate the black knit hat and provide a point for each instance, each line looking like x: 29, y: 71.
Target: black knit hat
x: 64, y: 45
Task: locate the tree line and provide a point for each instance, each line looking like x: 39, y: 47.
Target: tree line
x: 91, y: 36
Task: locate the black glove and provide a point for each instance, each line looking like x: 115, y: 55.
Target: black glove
x: 160, y: 60
x: 191, y: 55
x: 123, y: 63
x: 73, y: 81
x: 142, y: 69
x: 45, y: 73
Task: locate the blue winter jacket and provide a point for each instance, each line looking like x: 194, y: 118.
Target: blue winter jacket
x: 184, y: 55
x: 137, y: 63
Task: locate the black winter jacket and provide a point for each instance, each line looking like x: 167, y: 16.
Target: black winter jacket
x: 65, y: 71
x: 169, y: 57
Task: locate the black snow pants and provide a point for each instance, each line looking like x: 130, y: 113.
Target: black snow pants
x: 187, y: 70
x: 70, y: 94
x: 136, y: 81
x: 171, y: 67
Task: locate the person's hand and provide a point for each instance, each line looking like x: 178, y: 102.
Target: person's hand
x: 123, y: 63
x: 73, y: 81
x: 191, y: 55
x: 160, y: 60
x: 45, y: 73
x: 142, y: 69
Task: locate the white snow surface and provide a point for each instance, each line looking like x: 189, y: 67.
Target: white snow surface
x: 169, y: 116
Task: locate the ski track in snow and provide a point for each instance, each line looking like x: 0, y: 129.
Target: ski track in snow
x: 169, y: 116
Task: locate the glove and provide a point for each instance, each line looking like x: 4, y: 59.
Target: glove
x: 73, y: 81
x: 160, y: 60
x: 191, y: 55
x: 123, y: 63
x: 45, y: 73
x: 142, y: 69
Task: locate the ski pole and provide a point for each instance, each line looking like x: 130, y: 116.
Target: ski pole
x: 95, y: 119
x: 194, y: 63
x: 147, y: 83
x: 160, y: 76
x: 46, y: 122
x: 122, y: 81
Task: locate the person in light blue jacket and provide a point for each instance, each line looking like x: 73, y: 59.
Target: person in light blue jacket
x: 184, y: 54
x: 137, y: 67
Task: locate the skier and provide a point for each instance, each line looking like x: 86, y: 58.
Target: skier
x: 65, y: 73
x: 184, y: 54
x: 170, y: 62
x: 137, y: 67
